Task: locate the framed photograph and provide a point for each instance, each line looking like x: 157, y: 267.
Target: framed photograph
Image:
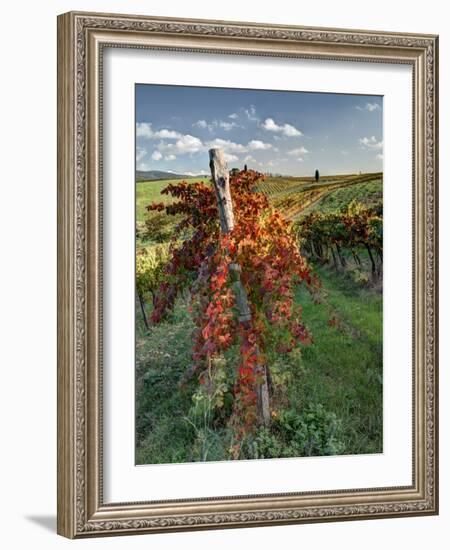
x: 247, y: 282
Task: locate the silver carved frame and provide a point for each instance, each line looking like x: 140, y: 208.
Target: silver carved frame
x: 81, y: 39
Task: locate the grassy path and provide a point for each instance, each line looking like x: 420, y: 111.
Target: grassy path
x: 343, y: 368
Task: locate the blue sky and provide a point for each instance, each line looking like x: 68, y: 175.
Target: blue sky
x: 290, y: 133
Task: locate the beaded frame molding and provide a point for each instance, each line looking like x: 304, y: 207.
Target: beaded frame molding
x: 81, y: 39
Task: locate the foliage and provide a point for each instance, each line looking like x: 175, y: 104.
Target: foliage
x: 162, y: 356
x: 148, y: 191
x: 369, y: 194
x: 209, y: 397
x: 150, y: 264
x: 158, y: 228
x: 345, y: 365
x: 324, y: 235
x: 263, y: 244
x: 314, y: 432
x: 342, y: 370
x: 293, y: 197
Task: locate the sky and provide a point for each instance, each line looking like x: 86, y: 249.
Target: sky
x: 288, y: 133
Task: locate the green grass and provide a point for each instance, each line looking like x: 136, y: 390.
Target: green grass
x: 150, y: 191
x: 343, y: 367
x: 369, y: 193
x: 279, y: 189
x: 341, y: 373
x: 294, y: 197
x: 162, y: 357
x: 337, y: 377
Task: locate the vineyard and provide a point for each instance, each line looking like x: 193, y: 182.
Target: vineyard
x: 263, y: 338
x: 294, y: 196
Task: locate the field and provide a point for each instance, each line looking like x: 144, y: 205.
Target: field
x: 148, y: 192
x: 295, y: 197
x: 292, y: 196
x: 331, y: 399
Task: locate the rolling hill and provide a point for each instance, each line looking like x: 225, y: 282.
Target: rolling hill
x: 151, y: 175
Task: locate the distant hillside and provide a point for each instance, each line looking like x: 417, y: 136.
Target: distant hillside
x: 295, y: 197
x: 160, y: 175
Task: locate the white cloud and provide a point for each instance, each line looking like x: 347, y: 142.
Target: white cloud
x: 289, y: 131
x: 188, y: 144
x: 224, y: 124
x: 166, y: 134
x: 197, y: 173
x: 249, y: 158
x: 170, y: 157
x: 299, y: 151
x: 230, y: 158
x: 369, y: 107
x: 343, y: 152
x: 156, y: 155
x: 201, y: 124
x: 379, y: 156
x: 251, y: 113
x: 140, y: 153
x: 285, y: 129
x: 300, y: 159
x: 270, y: 124
x: 234, y: 116
x: 227, y: 145
x: 256, y: 144
x: 370, y: 143
x: 185, y: 144
x: 227, y: 126
x: 144, y: 130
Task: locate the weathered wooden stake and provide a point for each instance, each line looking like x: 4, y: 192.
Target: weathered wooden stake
x: 144, y: 315
x: 221, y: 180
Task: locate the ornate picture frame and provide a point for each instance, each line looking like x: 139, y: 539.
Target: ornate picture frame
x: 82, y: 38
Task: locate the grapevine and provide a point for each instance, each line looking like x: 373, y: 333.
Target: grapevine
x: 264, y: 245
x: 324, y: 236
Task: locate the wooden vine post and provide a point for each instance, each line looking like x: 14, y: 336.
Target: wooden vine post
x: 221, y: 180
